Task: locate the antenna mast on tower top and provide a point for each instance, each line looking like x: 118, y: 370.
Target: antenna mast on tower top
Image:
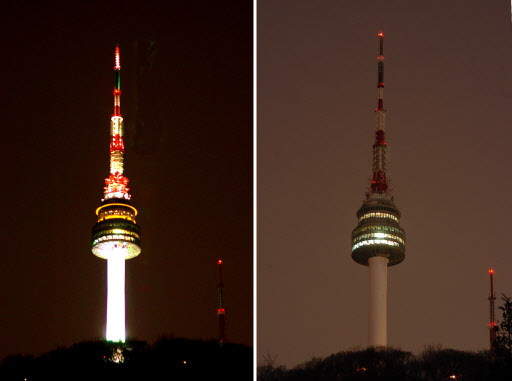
x: 379, y: 181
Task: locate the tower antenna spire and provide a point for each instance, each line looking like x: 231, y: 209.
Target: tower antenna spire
x: 379, y: 182
x: 116, y: 185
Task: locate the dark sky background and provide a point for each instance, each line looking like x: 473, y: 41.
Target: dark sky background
x: 188, y: 157
x: 448, y: 75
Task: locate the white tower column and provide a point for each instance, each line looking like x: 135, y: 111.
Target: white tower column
x: 115, y: 297
x: 377, y: 310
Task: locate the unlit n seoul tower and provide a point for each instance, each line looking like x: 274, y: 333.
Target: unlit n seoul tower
x: 116, y: 236
x: 378, y: 241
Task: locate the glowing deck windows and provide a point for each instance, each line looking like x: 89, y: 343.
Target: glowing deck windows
x: 375, y: 242
x: 376, y: 236
x: 116, y: 210
x: 378, y: 215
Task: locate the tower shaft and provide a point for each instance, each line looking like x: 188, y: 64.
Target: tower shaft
x: 115, y: 298
x: 377, y: 310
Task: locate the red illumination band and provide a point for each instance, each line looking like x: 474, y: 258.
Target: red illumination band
x: 118, y: 60
x: 117, y: 143
x: 116, y: 183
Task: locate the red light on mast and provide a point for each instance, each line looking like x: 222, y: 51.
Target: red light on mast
x: 380, y: 34
x: 491, y: 271
x: 219, y: 261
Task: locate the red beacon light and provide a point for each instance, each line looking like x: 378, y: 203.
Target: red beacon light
x: 491, y: 271
x: 380, y: 34
x: 219, y: 261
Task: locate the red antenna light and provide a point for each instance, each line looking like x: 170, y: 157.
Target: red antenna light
x: 380, y: 34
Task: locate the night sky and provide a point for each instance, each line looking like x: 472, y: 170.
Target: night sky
x: 189, y: 158
x: 448, y: 95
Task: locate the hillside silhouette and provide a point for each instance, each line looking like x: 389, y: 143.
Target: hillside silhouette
x: 433, y: 364
x: 167, y: 359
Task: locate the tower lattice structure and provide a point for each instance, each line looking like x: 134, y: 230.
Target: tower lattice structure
x: 116, y: 235
x: 378, y: 241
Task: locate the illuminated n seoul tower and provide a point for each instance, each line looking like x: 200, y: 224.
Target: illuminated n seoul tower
x: 116, y: 236
x: 378, y: 241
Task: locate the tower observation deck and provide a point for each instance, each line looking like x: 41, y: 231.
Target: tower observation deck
x: 378, y: 241
x: 116, y: 235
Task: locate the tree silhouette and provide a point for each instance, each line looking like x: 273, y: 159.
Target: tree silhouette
x: 504, y: 332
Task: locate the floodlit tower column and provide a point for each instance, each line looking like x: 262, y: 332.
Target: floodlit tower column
x: 378, y: 241
x: 116, y: 236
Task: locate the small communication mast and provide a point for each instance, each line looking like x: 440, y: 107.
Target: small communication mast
x: 492, y: 323
x: 220, y: 310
